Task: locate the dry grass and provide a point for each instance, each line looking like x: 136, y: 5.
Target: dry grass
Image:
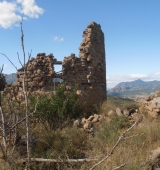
x: 73, y: 143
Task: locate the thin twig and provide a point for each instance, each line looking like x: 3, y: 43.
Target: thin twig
x: 29, y: 55
x: 9, y: 60
x: 122, y: 165
x: 19, y: 60
x: 112, y: 150
x: 2, y: 68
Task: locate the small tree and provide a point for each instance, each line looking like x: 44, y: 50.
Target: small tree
x: 57, y: 107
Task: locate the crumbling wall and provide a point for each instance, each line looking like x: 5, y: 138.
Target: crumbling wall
x: 39, y: 72
x: 89, y: 70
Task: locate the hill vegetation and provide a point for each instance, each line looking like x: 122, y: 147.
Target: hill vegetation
x: 54, y: 137
x: 137, y: 87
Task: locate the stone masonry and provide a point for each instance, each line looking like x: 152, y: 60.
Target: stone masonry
x: 40, y: 73
x: 87, y: 72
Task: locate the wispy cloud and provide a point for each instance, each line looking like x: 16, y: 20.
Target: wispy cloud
x: 58, y: 38
x: 11, y: 12
x: 112, y: 81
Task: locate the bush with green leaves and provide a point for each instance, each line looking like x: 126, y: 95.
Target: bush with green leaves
x: 57, y: 107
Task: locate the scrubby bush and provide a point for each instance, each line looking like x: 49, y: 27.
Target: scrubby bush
x: 58, y: 107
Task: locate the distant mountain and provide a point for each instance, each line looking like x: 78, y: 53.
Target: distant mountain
x: 10, y: 78
x: 134, y: 87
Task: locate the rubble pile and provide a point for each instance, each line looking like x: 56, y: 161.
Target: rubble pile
x: 152, y: 105
x: 132, y: 114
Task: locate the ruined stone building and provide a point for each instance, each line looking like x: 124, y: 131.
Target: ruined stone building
x: 88, y: 71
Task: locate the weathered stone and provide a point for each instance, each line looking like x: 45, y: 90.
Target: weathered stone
x: 91, y: 62
x: 111, y: 113
x: 137, y: 117
x: 152, y: 114
x: 126, y: 113
x: 119, y: 112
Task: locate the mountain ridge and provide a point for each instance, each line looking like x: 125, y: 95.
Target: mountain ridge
x: 10, y: 78
x: 136, y: 85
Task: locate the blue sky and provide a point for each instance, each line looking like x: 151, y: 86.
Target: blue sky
x: 131, y: 29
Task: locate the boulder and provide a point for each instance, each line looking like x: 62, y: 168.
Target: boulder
x: 126, y: 113
x: 87, y: 125
x: 111, y: 113
x: 96, y: 118
x: 76, y: 123
x: 137, y: 117
x: 83, y: 121
x: 91, y: 118
x: 153, y: 114
x: 119, y: 112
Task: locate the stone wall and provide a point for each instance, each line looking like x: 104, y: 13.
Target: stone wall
x: 40, y: 73
x: 88, y: 70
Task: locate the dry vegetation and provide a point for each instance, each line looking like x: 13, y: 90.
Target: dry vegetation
x: 67, y: 142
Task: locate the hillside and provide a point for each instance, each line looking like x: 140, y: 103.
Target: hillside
x: 137, y: 87
x: 10, y: 78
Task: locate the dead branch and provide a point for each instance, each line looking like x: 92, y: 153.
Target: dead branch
x: 4, y: 132
x: 56, y: 160
x: 19, y: 60
x: 121, y: 166
x: 2, y: 69
x: 9, y: 60
x: 122, y: 137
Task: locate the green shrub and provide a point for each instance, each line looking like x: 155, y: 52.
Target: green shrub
x: 58, y: 107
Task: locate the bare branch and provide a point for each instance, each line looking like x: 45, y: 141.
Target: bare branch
x: 112, y: 150
x: 9, y: 60
x: 22, y: 40
x: 19, y: 59
x: 56, y: 160
x: 29, y: 55
x: 121, y: 166
x: 2, y: 69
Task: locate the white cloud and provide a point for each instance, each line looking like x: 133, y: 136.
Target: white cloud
x: 57, y: 38
x: 11, y: 12
x: 29, y: 8
x: 112, y: 81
